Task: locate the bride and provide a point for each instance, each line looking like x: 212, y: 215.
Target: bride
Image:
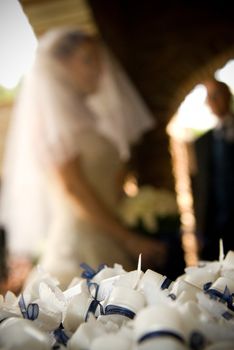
x: 72, y: 127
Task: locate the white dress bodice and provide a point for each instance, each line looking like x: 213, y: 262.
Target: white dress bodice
x: 72, y: 238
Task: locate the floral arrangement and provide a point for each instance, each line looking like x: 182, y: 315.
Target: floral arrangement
x: 154, y: 209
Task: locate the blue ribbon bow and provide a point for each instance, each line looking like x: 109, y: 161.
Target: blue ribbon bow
x: 29, y: 312
x: 89, y: 272
x: 95, y: 302
x: 225, y: 297
x: 60, y: 336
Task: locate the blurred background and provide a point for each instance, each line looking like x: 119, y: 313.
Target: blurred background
x: 167, y: 49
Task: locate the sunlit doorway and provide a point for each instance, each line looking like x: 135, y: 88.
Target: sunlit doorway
x: 191, y: 120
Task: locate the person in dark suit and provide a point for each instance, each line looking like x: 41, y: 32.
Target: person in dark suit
x: 213, y: 176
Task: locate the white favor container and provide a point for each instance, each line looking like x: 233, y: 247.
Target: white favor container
x: 21, y: 334
x: 76, y: 311
x: 159, y: 318
x: 130, y: 299
x: 111, y: 342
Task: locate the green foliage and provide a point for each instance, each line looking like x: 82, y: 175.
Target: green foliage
x: 7, y: 95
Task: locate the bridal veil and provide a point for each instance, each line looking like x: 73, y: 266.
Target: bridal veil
x: 47, y: 119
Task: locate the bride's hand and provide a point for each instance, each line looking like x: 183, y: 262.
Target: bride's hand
x: 154, y: 253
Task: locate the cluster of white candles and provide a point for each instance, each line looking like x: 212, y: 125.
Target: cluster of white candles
x: 119, y: 310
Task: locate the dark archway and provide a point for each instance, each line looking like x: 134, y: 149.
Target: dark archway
x: 166, y: 48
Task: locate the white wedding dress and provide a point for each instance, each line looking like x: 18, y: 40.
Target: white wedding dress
x: 72, y: 239
x: 52, y: 123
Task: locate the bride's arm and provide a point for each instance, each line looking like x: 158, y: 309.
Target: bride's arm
x: 84, y: 198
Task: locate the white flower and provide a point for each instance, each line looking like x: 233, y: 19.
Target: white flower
x: 148, y: 205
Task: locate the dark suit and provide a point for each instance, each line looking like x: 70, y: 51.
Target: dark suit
x: 213, y: 193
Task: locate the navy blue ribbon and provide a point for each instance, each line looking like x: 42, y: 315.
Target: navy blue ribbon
x: 206, y: 286
x: 159, y: 334
x: 95, y: 302
x: 118, y: 310
x: 60, y: 337
x: 89, y: 272
x: 172, y: 296
x: 29, y: 312
x: 227, y: 316
x: 225, y: 297
x: 197, y: 341
x: 166, y: 283
x: 56, y: 346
